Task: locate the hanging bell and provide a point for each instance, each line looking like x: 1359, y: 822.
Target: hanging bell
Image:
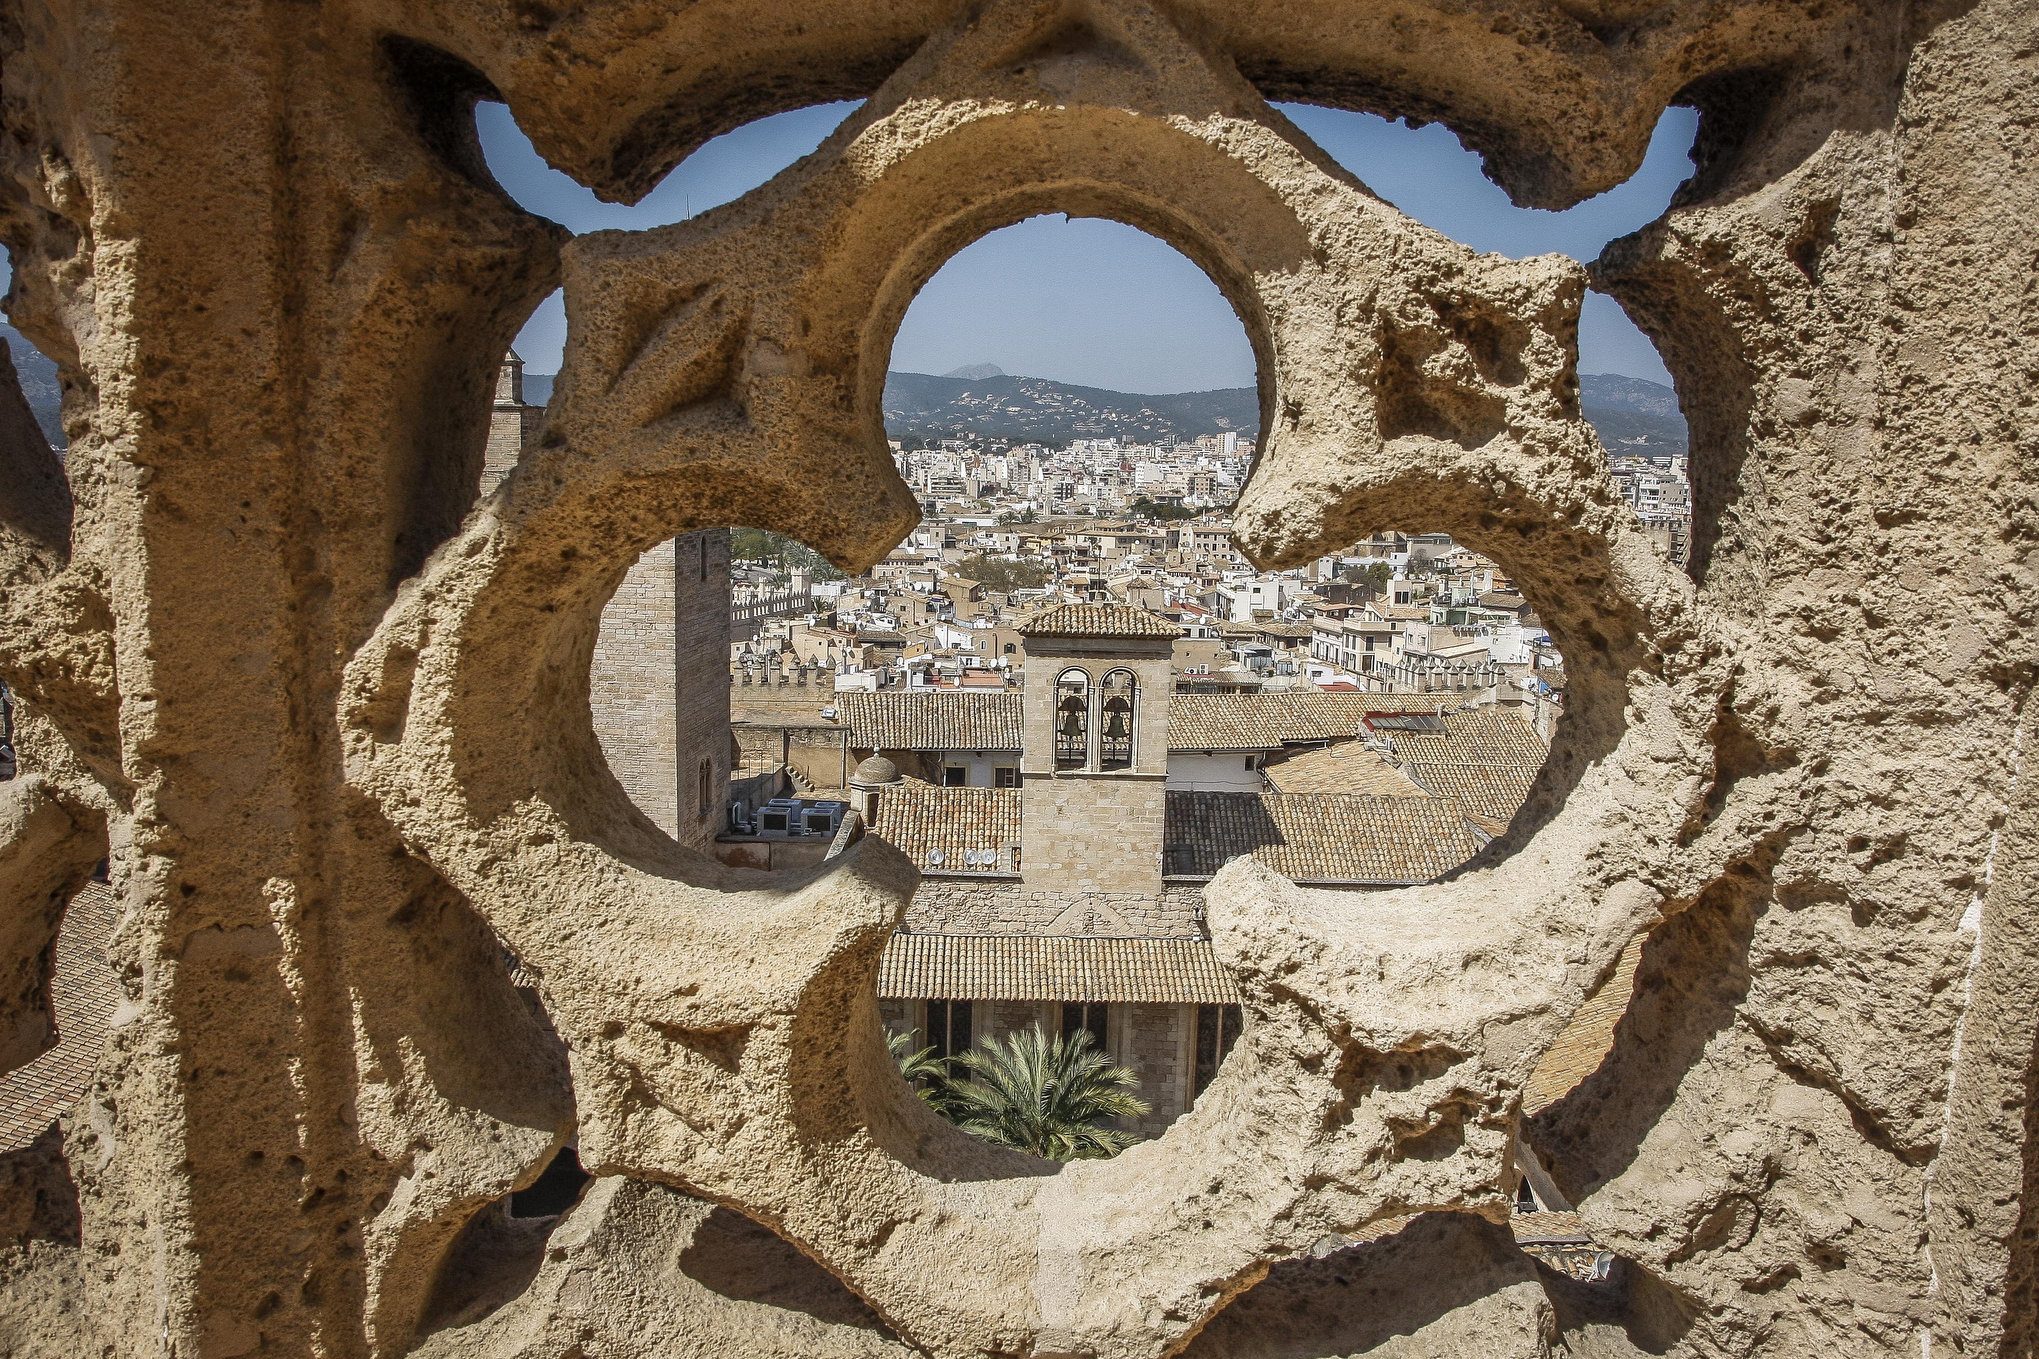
x: 1115, y: 725
x: 1072, y: 727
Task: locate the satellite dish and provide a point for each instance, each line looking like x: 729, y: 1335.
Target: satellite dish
x: 935, y: 857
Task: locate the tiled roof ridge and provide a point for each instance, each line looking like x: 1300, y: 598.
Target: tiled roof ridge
x: 962, y: 719
x: 1317, y: 837
x: 952, y: 965
x: 1097, y: 620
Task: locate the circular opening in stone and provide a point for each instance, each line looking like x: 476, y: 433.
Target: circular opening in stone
x: 720, y: 170
x: 1371, y: 720
x: 1626, y: 391
x: 1067, y: 698
x: 1139, y: 704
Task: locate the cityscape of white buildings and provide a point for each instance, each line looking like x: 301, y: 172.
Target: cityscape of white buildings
x: 1008, y: 529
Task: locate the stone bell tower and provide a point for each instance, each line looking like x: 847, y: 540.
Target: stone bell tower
x: 1094, y: 764
x: 513, y: 425
x: 659, y: 689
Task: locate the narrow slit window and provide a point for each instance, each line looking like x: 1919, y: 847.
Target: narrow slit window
x: 1085, y: 1017
x: 1217, y: 1029
x: 948, y: 1027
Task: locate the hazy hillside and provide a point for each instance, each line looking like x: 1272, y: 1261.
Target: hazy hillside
x: 38, y: 383
x: 1630, y: 414
x: 1027, y: 408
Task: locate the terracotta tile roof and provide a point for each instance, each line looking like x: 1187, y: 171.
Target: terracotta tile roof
x: 1587, y: 1039
x: 951, y: 720
x: 1097, y: 620
x: 994, y: 719
x: 1490, y: 792
x: 1344, y: 767
x: 1482, y: 736
x: 1269, y: 721
x: 1484, y: 757
x: 84, y: 995
x: 1317, y: 838
x: 1053, y: 967
x: 960, y: 825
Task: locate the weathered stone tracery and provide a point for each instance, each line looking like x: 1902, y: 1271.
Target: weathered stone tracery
x: 330, y: 713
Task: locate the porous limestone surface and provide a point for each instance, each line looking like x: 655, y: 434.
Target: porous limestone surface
x: 392, y: 934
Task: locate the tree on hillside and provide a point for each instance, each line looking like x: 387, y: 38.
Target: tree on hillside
x: 1374, y: 578
x: 1143, y: 508
x: 1002, y: 574
x: 762, y: 545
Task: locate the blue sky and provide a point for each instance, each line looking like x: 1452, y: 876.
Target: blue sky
x: 1104, y: 305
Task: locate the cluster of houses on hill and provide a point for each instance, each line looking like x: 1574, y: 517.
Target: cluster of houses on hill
x: 1393, y: 614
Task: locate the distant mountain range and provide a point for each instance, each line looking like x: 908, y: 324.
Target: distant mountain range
x: 1029, y: 409
x: 38, y: 383
x: 1631, y: 415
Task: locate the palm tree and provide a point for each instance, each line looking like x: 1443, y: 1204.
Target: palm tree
x: 926, y: 1073
x: 1052, y: 1097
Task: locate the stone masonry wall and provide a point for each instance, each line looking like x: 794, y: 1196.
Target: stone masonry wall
x: 700, y: 681
x: 1089, y: 832
x: 634, y: 685
x: 659, y: 688
x: 1155, y: 1041
x: 1093, y: 834
x: 513, y: 425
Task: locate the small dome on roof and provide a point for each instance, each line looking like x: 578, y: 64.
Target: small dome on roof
x: 873, y: 772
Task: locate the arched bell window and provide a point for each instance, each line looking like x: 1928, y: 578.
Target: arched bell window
x: 1117, y: 712
x: 1072, y: 720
